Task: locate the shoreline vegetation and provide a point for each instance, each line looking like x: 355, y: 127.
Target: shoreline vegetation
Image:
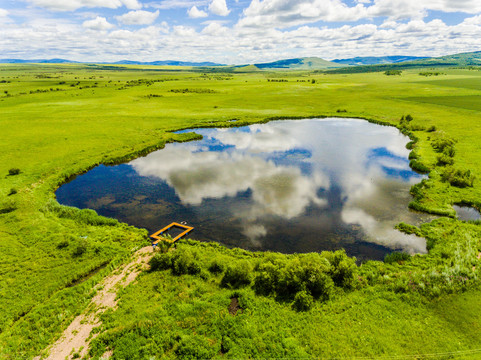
x: 62, y: 120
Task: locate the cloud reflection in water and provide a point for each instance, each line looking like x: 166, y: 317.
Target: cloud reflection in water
x: 289, y: 168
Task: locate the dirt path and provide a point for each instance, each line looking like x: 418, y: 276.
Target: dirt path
x: 76, y: 338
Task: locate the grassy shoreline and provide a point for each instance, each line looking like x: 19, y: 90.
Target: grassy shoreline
x: 52, y: 135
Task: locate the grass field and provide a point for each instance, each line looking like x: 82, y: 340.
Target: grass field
x: 60, y: 120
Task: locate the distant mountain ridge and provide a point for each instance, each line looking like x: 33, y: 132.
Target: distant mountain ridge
x: 357, y: 64
x: 375, y: 60
x: 121, y: 62
x: 306, y: 63
x: 455, y: 60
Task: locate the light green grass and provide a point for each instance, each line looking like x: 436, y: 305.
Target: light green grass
x: 51, y: 135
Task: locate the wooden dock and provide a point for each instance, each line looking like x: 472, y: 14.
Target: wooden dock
x: 157, y: 236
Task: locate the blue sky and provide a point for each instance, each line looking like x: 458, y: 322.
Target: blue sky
x: 236, y: 31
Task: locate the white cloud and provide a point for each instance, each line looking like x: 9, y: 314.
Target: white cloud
x: 71, y: 5
x: 99, y: 23
x: 175, y: 4
x: 287, y: 13
x: 138, y: 17
x: 219, y: 7
x: 3, y: 13
x: 195, y: 13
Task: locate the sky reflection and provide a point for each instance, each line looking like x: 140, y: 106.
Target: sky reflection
x: 289, y: 186
x: 284, y: 164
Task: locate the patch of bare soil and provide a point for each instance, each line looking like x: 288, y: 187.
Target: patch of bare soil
x: 75, y: 340
x: 234, y: 306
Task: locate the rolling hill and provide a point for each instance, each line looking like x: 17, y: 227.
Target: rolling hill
x: 456, y: 60
x: 374, y: 60
x: 307, y: 63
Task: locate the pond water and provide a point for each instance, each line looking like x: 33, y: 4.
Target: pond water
x: 466, y: 213
x: 288, y: 186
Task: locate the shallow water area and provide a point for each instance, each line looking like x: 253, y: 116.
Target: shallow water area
x: 466, y: 213
x: 288, y: 186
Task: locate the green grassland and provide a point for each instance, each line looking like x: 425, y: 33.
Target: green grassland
x: 60, y: 120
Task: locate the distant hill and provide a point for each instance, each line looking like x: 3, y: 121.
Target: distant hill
x: 36, y: 61
x: 307, y: 63
x: 122, y: 62
x: 456, y: 60
x: 375, y: 60
x: 166, y: 63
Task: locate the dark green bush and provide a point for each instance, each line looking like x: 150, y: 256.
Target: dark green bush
x: 443, y: 143
x: 408, y: 229
x: 457, y: 177
x: 184, y: 262
x: 13, y: 171
x: 418, y: 166
x: 397, y: 257
x: 343, y: 268
x: 80, y: 249
x: 393, y: 72
x: 267, y: 278
x: 195, y: 347
x: 161, y: 262
x: 13, y: 191
x: 216, y: 267
x: 303, y: 301
x: 445, y: 160
x: 238, y: 275
x: 63, y: 244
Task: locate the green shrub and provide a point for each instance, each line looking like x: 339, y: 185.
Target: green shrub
x: 237, y: 276
x: 393, y: 72
x: 80, y: 249
x: 409, y: 229
x: 343, y: 270
x: 303, y: 301
x: 442, y: 143
x: 397, y: 257
x: 184, y: 262
x: 457, y: 177
x: 160, y: 262
x: 13, y: 191
x: 13, y: 171
x: 418, y: 166
x: 63, y: 244
x: 267, y: 278
x: 444, y: 160
x: 216, y: 267
x: 195, y: 347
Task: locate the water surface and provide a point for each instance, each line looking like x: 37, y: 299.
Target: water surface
x: 466, y: 213
x: 289, y: 186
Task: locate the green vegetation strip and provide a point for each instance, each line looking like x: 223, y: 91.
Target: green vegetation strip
x: 59, y: 121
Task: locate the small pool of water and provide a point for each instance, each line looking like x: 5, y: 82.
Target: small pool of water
x: 466, y: 213
x: 288, y: 186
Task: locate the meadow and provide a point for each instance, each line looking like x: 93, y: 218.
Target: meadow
x: 61, y: 120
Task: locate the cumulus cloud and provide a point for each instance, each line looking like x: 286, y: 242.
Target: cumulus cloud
x: 282, y: 14
x: 71, y: 5
x: 241, y: 44
x: 287, y: 13
x: 175, y: 4
x: 195, y: 13
x: 99, y: 23
x: 219, y: 7
x: 138, y: 17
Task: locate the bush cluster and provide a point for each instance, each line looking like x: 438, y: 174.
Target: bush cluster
x: 87, y: 216
x: 457, y: 177
x: 292, y: 278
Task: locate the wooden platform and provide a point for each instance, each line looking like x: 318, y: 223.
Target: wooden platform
x: 158, y: 235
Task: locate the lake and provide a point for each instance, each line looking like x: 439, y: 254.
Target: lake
x: 289, y: 186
